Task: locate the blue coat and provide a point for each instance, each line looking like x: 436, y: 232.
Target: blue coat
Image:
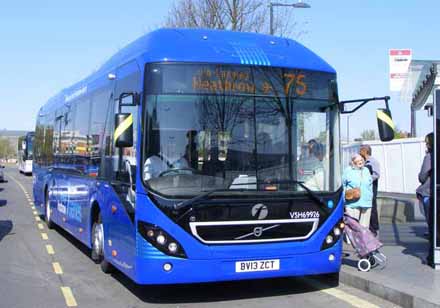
x: 352, y: 178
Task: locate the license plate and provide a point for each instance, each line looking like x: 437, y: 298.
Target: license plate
x: 257, y: 266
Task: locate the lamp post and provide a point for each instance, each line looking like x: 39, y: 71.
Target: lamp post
x: 298, y: 5
x: 348, y: 128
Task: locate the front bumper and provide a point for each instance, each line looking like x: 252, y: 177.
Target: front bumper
x: 151, y: 271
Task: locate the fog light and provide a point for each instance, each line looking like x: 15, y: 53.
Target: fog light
x: 161, y: 239
x: 331, y: 257
x: 167, y: 267
x: 150, y: 233
x: 172, y: 247
x: 337, y: 231
x: 329, y: 239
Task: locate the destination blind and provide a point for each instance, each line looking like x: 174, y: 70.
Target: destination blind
x: 237, y: 80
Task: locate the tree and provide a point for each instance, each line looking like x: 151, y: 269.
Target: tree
x: 368, y: 134
x: 6, y: 149
x: 400, y: 134
x: 236, y: 15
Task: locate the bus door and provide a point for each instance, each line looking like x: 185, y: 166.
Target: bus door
x: 122, y: 202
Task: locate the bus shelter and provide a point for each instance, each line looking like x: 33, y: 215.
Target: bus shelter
x: 422, y: 90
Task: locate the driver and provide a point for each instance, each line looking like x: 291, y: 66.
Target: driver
x: 157, y: 164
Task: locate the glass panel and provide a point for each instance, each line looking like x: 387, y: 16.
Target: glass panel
x: 198, y: 141
x: 97, y: 125
x: 81, y: 140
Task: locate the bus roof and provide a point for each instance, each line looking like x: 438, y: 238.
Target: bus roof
x: 208, y: 46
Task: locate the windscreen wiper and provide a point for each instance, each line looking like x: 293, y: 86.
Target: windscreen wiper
x: 205, y: 195
x: 310, y: 192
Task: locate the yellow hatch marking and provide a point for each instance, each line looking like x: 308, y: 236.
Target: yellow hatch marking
x: 339, y: 294
x: 40, y: 226
x: 44, y: 236
x: 57, y: 268
x: 50, y: 250
x: 68, y: 296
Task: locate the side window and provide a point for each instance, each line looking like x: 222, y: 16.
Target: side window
x: 99, y: 112
x: 58, y: 124
x: 107, y: 154
x: 129, y: 81
x: 80, y: 138
x: 39, y: 140
x: 47, y: 151
x: 66, y: 145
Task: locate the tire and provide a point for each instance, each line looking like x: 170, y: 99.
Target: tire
x: 47, y: 211
x: 98, y: 246
x: 106, y: 267
x: 331, y: 279
x: 364, y: 265
x: 372, y: 260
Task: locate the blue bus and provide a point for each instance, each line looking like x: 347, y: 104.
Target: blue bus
x: 197, y: 156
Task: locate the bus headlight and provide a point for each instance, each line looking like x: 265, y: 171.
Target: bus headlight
x: 333, y: 236
x: 172, y: 247
x: 161, y: 239
x: 157, y: 237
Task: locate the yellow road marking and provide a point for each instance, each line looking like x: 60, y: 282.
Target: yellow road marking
x: 35, y: 212
x: 37, y: 218
x: 57, y: 268
x: 339, y: 294
x: 67, y: 292
x: 50, y: 250
x: 68, y: 296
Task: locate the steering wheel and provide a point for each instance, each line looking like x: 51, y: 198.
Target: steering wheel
x: 178, y: 170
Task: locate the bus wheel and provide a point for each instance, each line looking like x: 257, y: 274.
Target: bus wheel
x: 98, y: 246
x: 331, y: 279
x: 49, y: 222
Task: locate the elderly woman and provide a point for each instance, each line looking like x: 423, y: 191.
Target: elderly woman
x: 358, y: 190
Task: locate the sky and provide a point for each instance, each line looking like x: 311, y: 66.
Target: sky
x: 46, y: 46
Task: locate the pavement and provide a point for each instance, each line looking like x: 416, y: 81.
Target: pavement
x: 49, y: 268
x: 406, y: 280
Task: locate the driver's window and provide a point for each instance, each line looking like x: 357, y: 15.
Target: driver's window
x: 128, y: 160
x: 124, y: 162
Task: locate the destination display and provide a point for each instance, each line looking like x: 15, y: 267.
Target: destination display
x: 237, y: 80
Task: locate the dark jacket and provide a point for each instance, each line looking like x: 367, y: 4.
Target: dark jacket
x: 424, y: 189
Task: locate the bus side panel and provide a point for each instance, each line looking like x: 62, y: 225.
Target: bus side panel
x: 78, y: 207
x: 119, y: 233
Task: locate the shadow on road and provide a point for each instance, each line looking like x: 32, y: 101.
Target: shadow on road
x: 210, y: 292
x: 3, y: 202
x: 5, y: 228
x: 219, y: 291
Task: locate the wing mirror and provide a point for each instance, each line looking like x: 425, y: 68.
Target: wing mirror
x: 385, y: 124
x: 123, y: 135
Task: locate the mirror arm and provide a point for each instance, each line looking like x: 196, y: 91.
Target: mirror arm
x: 136, y: 99
x: 363, y: 102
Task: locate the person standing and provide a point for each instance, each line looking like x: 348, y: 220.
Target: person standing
x: 374, y: 167
x: 358, y: 191
x: 423, y: 192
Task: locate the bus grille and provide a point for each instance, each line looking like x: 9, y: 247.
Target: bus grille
x: 254, y: 231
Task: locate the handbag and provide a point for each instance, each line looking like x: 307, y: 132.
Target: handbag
x: 354, y: 194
